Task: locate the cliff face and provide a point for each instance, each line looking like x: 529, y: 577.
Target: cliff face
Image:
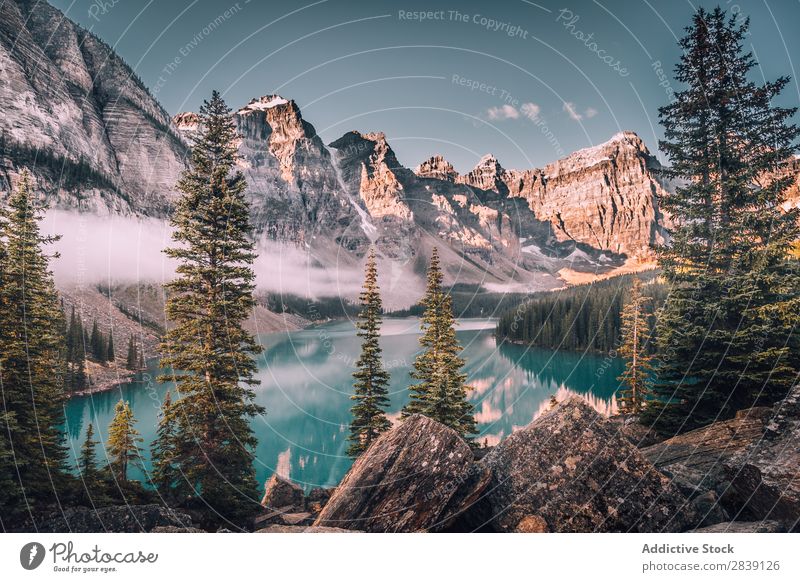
x: 604, y: 196
x: 295, y: 191
x: 77, y: 116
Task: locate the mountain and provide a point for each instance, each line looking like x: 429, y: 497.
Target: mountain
x: 98, y: 142
x: 78, y: 117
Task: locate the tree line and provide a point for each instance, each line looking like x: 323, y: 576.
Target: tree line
x: 581, y: 317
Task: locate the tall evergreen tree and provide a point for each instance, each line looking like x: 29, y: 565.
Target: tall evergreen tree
x: 636, y: 378
x: 728, y: 335
x: 76, y: 353
x: 123, y: 442
x: 131, y: 361
x: 32, y: 362
x: 166, y: 477
x: 97, y: 344
x: 370, y: 388
x: 209, y: 351
x: 442, y: 391
x: 87, y: 462
x: 110, y: 347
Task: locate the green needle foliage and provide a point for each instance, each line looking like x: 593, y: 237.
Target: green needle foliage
x: 441, y: 392
x: 372, y: 380
x: 123, y: 442
x: 32, y: 364
x: 166, y: 473
x: 635, y: 379
x: 728, y: 335
x: 207, y: 348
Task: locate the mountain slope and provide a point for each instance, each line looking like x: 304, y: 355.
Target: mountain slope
x: 79, y: 118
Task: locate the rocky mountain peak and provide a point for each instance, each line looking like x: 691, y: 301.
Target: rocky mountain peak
x: 437, y: 167
x: 486, y: 175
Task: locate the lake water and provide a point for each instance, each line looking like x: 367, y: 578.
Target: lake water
x: 306, y: 385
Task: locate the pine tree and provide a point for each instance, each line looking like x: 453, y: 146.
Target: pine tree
x: 209, y: 351
x: 371, y: 392
x: 635, y: 379
x: 728, y: 335
x: 87, y: 462
x: 97, y: 344
x: 131, y: 361
x: 110, y: 347
x: 32, y: 362
x: 75, y: 353
x: 123, y: 442
x: 165, y: 477
x: 441, y: 392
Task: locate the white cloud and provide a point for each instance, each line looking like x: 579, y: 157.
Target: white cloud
x: 575, y: 115
x: 570, y: 109
x: 500, y: 113
x: 530, y: 110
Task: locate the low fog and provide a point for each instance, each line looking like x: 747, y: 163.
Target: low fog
x: 118, y: 250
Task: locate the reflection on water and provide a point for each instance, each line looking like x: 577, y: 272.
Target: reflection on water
x: 306, y: 385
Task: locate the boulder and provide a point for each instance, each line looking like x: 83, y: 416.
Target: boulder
x: 317, y: 498
x: 283, y: 516
x: 280, y: 492
x: 303, y: 529
x: 173, y: 529
x: 116, y: 519
x: 743, y: 527
x: 764, y: 479
x: 638, y: 434
x: 571, y: 470
x: 415, y: 477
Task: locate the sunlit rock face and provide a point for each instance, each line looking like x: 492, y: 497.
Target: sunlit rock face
x: 104, y: 144
x: 604, y: 196
x: 294, y: 188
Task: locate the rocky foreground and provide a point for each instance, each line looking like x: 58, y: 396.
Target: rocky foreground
x: 570, y: 470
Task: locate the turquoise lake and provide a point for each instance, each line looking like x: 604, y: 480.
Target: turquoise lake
x: 306, y: 387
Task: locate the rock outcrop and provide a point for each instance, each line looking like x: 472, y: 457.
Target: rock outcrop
x: 280, y: 492
x: 407, y: 481
x: 765, y: 477
x: 571, y: 471
x: 80, y: 119
x: 696, y: 459
x: 116, y: 519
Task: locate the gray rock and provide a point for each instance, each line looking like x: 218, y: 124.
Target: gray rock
x: 743, y: 527
x: 765, y: 478
x: 116, y: 519
x: 280, y: 492
x: 303, y: 529
x: 173, y: 529
x: 696, y: 460
x: 408, y: 480
x: 317, y: 498
x: 575, y: 472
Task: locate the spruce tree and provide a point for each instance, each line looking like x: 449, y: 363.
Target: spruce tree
x: 110, y: 347
x: 441, y: 392
x: 728, y: 335
x: 131, y: 361
x: 372, y: 380
x: 635, y: 379
x: 165, y: 476
x: 123, y: 442
x: 32, y: 362
x: 210, y: 353
x: 97, y: 344
x: 87, y: 462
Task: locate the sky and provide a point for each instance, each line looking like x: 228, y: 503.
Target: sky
x: 526, y: 81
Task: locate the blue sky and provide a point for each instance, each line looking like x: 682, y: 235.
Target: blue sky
x: 527, y: 81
